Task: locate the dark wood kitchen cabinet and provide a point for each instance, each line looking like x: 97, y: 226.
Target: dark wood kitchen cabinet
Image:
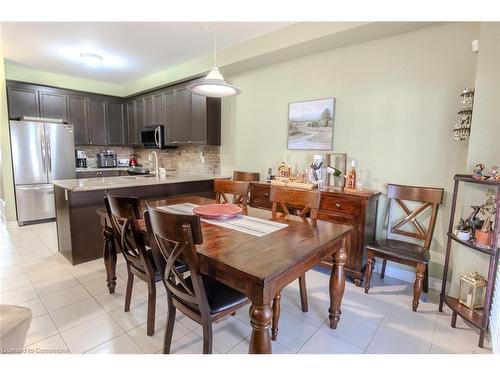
x: 77, y: 116
x: 107, y: 120
x: 96, y: 120
x: 357, y: 208
x: 23, y: 101
x: 169, y: 98
x: 116, y: 122
x: 148, y: 111
x: 53, y: 104
x: 205, y: 120
x: 180, y: 130
x: 132, y: 132
x: 159, y: 109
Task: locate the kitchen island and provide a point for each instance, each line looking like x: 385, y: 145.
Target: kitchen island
x: 79, y: 230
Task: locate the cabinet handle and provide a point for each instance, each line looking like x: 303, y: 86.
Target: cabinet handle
x: 337, y: 205
x: 266, y: 195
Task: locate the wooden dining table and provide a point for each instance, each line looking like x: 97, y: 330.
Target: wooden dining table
x: 259, y: 267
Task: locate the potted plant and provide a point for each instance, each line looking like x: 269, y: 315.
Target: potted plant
x: 484, y: 235
x: 464, y: 230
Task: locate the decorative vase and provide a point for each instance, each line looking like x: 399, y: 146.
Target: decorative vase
x: 463, y: 236
x: 484, y: 239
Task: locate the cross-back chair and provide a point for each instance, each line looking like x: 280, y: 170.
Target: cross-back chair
x: 410, y: 225
x: 307, y: 202
x: 198, y: 296
x: 238, y: 190
x: 124, y: 215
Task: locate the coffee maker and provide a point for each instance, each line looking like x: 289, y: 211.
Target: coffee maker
x: 81, y: 159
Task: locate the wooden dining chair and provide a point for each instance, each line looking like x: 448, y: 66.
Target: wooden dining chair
x: 306, y: 202
x: 199, y: 297
x: 246, y: 176
x: 238, y: 190
x: 124, y: 215
x: 408, y: 253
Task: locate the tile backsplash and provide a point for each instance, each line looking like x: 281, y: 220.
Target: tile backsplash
x: 188, y: 159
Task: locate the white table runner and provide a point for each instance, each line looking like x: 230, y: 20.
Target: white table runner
x: 246, y: 224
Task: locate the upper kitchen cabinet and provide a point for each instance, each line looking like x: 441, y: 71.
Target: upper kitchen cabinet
x: 180, y: 131
x: 159, y: 108
x: 205, y: 120
x: 77, y: 116
x: 23, y: 100
x: 148, y: 111
x: 116, y: 122
x: 154, y: 109
x: 132, y: 132
x: 97, y: 122
x: 196, y: 118
x: 53, y: 104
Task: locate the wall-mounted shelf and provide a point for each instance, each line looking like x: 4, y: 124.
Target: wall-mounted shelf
x: 479, y: 318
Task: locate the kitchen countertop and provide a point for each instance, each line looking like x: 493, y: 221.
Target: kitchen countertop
x: 103, y: 183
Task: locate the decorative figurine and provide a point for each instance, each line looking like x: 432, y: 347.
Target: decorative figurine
x: 284, y: 170
x: 494, y: 173
x: 317, y: 168
x: 478, y: 171
x: 484, y: 236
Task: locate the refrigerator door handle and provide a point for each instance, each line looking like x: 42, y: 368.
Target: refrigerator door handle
x: 42, y: 146
x: 49, y: 153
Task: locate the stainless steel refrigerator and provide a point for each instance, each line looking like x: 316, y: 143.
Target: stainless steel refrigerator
x: 41, y: 152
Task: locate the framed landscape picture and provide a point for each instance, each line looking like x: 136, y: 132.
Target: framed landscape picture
x: 310, y: 124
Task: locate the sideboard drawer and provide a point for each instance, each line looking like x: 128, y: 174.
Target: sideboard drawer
x: 341, y: 204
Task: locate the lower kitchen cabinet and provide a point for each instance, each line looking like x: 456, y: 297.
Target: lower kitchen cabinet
x: 107, y: 173
x: 358, y: 209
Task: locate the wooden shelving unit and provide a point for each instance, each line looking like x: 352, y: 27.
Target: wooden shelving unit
x: 479, y: 318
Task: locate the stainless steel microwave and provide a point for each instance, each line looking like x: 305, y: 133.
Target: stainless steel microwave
x: 153, y: 136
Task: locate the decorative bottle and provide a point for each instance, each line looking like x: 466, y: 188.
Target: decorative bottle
x: 351, y: 177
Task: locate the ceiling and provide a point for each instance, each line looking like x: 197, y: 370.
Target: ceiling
x: 130, y: 50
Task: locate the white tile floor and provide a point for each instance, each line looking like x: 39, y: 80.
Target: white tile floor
x: 72, y: 310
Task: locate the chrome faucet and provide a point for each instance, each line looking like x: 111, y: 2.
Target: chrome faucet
x: 155, y: 170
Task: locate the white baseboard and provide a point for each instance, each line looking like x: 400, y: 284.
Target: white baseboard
x: 405, y: 275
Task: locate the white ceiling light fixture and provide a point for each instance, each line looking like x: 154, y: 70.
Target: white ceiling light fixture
x: 214, y: 85
x: 91, y: 59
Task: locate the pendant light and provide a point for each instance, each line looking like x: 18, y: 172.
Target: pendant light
x: 214, y: 85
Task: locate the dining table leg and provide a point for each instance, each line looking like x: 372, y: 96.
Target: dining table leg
x: 260, y: 320
x: 337, y: 284
x: 109, y: 255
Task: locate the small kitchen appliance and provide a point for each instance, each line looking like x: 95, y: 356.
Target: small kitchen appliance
x: 81, y: 159
x: 153, y: 137
x: 133, y: 161
x: 106, y: 159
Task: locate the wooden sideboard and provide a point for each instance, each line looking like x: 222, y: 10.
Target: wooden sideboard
x: 356, y: 208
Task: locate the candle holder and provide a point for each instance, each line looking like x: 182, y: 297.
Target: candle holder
x: 472, y: 290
